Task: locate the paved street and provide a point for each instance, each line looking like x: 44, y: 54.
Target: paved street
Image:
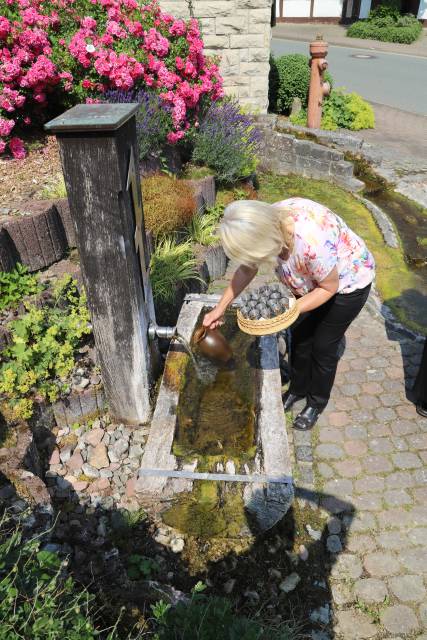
x: 386, y: 78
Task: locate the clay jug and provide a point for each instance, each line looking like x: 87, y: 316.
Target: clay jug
x: 212, y: 344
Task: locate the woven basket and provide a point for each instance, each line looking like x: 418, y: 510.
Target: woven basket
x: 273, y: 325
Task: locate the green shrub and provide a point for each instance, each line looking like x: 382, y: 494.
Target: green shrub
x: 37, y: 601
x: 169, y: 204
x: 172, y: 264
x: 15, y: 285
x: 289, y: 79
x: 213, y: 619
x: 201, y: 229
x: 42, y: 353
x: 387, y: 24
x: 342, y: 111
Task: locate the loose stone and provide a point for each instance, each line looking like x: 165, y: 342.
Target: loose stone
x: 90, y: 471
x: 229, y: 585
x: 290, y: 583
x: 334, y: 526
x: 252, y: 596
x: 65, y: 453
x: 98, y: 457
x: 313, y: 533
x: 321, y: 615
x: 333, y: 544
x: 94, y: 436
x: 303, y: 553
x: 275, y: 574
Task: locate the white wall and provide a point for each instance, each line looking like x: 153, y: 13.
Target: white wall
x: 365, y: 8
x: 422, y: 12
x: 296, y: 9
x: 327, y: 8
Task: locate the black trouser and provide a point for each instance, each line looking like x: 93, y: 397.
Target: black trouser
x: 314, y: 345
x: 420, y: 386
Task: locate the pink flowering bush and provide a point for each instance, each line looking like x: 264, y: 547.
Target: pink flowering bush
x: 60, y: 52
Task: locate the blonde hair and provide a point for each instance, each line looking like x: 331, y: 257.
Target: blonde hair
x: 251, y: 232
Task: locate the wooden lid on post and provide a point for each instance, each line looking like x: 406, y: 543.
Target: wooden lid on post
x: 92, y: 118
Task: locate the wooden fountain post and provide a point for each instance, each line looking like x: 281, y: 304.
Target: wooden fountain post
x: 318, y: 87
x: 99, y: 155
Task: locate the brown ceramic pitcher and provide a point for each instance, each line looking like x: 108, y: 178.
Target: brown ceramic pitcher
x: 212, y: 344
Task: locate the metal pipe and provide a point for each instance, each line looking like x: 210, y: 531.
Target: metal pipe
x: 154, y: 331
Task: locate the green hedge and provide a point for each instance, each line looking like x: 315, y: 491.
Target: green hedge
x: 367, y: 30
x: 289, y: 78
x: 387, y: 24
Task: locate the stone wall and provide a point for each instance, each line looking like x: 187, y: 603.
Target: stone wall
x: 238, y: 31
x: 282, y: 153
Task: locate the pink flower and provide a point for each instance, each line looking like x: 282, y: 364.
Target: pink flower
x: 114, y: 29
x: 6, y: 126
x: 4, y: 28
x: 40, y: 97
x: 155, y: 42
x: 174, y: 136
x: 178, y: 28
x: 190, y: 69
x: 17, y: 148
x: 2, y: 146
x: 89, y: 23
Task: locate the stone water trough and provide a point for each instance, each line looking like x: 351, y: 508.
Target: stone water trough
x: 266, y: 483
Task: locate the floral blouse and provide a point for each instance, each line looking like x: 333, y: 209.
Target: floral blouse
x: 324, y: 241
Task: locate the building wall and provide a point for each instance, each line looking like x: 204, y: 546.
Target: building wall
x: 296, y: 8
x: 327, y: 8
x: 239, y: 32
x: 332, y: 10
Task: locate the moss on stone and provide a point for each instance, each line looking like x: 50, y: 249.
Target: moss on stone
x: 174, y: 373
x: 211, y: 510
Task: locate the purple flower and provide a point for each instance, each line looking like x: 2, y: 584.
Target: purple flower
x: 228, y: 141
x: 153, y: 121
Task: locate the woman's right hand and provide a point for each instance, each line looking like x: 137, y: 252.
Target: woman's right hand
x: 214, y: 318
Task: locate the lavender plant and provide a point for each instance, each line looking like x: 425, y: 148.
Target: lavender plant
x: 153, y: 120
x: 227, y: 141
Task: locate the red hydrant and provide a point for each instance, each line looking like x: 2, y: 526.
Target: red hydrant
x: 318, y: 87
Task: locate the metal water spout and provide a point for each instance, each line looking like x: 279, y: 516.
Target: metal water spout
x: 318, y: 86
x: 154, y: 331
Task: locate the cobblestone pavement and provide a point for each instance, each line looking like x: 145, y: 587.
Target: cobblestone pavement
x: 369, y: 458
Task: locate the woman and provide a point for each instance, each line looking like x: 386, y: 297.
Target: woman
x: 325, y: 264
x: 420, y: 386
